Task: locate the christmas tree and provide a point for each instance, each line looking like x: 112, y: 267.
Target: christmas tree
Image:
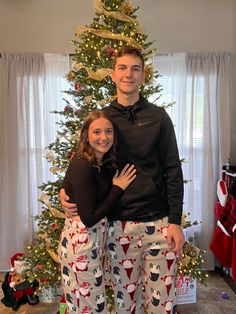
x: 114, y: 25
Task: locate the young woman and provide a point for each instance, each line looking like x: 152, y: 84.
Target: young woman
x: 89, y: 183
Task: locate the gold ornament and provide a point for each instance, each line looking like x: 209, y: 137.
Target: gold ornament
x: 88, y: 99
x: 49, y: 156
x: 148, y: 70
x: 75, y: 136
x: 127, y: 7
x: 186, y: 260
x: 54, y: 169
x: 42, y: 235
x: 70, y: 76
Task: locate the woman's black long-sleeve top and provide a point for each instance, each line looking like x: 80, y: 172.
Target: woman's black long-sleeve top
x: 90, y: 187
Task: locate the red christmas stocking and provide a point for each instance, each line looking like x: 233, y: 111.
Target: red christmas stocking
x: 221, y: 246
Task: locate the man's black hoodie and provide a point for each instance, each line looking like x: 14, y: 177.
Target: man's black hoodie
x: 146, y: 138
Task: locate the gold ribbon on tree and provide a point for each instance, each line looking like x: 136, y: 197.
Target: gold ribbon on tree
x: 50, y: 251
x: 103, y: 102
x: 107, y: 34
x: 55, y: 212
x: 53, y: 255
x: 99, y: 8
x: 98, y: 75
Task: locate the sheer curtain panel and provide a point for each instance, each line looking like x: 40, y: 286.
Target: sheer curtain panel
x: 198, y: 83
x: 30, y: 87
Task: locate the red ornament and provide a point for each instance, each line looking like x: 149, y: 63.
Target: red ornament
x: 67, y: 108
x: 111, y: 51
x: 39, y: 266
x: 44, y: 280
x: 54, y: 226
x: 71, y: 155
x: 79, y: 86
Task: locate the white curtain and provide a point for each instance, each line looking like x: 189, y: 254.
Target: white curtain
x: 199, y: 83
x: 30, y: 87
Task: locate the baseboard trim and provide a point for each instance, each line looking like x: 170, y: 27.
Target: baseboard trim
x: 227, y: 278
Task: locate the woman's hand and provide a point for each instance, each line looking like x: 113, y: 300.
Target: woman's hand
x: 125, y: 177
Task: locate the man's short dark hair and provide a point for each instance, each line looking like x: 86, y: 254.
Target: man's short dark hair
x: 129, y: 50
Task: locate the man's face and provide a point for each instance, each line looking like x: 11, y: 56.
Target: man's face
x: 128, y: 75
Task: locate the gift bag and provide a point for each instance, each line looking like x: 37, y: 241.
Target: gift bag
x: 63, y: 306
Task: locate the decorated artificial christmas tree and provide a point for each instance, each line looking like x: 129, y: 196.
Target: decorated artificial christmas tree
x: 115, y: 24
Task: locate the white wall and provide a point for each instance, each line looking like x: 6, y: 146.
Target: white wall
x: 176, y: 25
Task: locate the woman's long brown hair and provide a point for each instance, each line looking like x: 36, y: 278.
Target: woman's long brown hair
x: 84, y: 148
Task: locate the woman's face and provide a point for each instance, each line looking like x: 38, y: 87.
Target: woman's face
x: 100, y: 136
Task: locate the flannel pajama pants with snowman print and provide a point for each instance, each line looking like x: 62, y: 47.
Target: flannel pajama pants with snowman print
x: 81, y: 253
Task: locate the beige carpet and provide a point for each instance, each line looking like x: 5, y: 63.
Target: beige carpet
x: 209, y: 301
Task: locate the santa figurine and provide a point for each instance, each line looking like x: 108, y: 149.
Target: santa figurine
x: 16, y: 288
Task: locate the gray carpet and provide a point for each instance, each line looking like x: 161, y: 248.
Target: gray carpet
x: 209, y: 301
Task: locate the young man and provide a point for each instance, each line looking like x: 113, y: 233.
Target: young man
x: 145, y: 234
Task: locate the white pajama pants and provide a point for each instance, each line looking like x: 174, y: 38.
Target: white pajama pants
x: 142, y: 268
x: 81, y: 252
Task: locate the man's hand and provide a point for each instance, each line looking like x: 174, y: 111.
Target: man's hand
x: 175, y: 238
x: 70, y: 209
